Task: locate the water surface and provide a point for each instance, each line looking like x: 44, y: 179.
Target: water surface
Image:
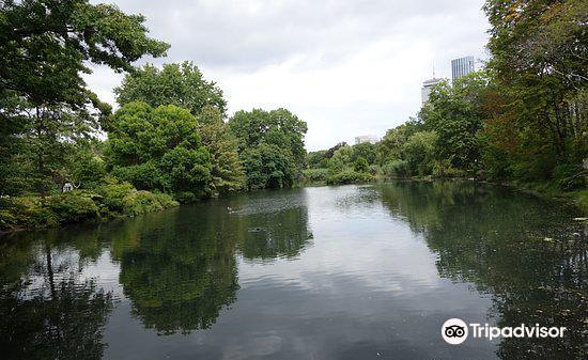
x: 351, y: 272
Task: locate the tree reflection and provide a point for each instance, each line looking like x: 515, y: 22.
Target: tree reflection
x: 179, y: 268
x: 526, y: 252
x: 280, y: 234
x: 179, y: 271
x: 48, y: 310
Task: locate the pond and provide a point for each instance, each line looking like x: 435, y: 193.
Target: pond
x: 350, y: 272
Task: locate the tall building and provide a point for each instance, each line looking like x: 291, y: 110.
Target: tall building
x: 426, y: 89
x: 461, y: 67
x: 366, y: 138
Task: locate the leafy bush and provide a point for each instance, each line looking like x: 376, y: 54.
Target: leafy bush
x: 444, y: 169
x: 348, y: 177
x: 114, y: 196
x: 396, y: 168
x: 315, y: 175
x: 73, y: 206
x: 361, y: 165
x: 124, y: 199
x: 111, y: 200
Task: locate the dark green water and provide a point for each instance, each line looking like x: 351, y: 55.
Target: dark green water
x: 352, y: 272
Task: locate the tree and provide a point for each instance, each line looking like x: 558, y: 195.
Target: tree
x: 159, y: 149
x: 364, y: 150
x: 182, y: 85
x: 271, y: 146
x: 390, y: 147
x: 46, y: 45
x: 455, y: 114
x: 361, y: 165
x: 538, y: 60
x: 331, y: 151
x: 316, y: 159
x: 227, y: 172
x: 87, y: 167
x: 268, y: 166
x: 419, y: 152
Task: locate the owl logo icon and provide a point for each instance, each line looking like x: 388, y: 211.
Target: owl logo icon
x: 454, y: 331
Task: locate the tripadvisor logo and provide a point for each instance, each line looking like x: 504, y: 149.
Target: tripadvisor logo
x: 455, y: 331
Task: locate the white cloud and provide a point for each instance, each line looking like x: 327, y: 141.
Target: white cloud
x: 347, y: 68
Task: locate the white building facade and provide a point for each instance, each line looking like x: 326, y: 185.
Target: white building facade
x: 426, y: 89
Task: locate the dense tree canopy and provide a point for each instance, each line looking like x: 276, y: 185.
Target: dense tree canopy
x: 537, y: 118
x: 46, y: 46
x: 454, y: 112
x: 159, y: 149
x: 226, y: 172
x: 271, y: 146
x: 182, y: 85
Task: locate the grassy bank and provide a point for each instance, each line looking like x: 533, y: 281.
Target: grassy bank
x: 103, y: 203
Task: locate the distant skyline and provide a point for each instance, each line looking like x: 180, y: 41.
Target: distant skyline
x: 347, y: 68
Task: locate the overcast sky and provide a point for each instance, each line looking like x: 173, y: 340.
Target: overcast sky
x: 347, y: 68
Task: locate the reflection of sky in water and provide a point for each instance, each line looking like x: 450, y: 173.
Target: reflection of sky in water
x: 368, y: 285
x: 359, y: 282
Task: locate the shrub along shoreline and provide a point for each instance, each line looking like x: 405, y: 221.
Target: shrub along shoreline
x: 104, y: 203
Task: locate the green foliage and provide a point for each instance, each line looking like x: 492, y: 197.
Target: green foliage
x: 60, y: 39
x: 536, y: 114
x: 419, y: 152
x: 227, y: 173
x: 570, y: 177
x: 316, y: 159
x: 73, y: 206
x: 271, y: 146
x: 268, y: 166
x: 390, y: 147
x: 364, y: 150
x: 88, y: 168
x: 124, y: 199
x: 182, y: 85
x: 44, y: 100
x: 105, y: 202
x: 361, y: 165
x: 444, y: 169
x: 348, y: 177
x: 454, y: 112
x: 396, y: 169
x: 159, y: 149
x: 315, y: 175
x: 346, y: 167
x: 331, y: 151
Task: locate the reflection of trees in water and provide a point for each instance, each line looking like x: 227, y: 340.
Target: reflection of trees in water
x: 271, y: 224
x: 178, y: 271
x: 48, y: 310
x: 274, y: 235
x: 179, y: 268
x: 526, y: 252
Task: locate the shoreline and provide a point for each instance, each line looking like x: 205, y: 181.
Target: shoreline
x: 570, y: 198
